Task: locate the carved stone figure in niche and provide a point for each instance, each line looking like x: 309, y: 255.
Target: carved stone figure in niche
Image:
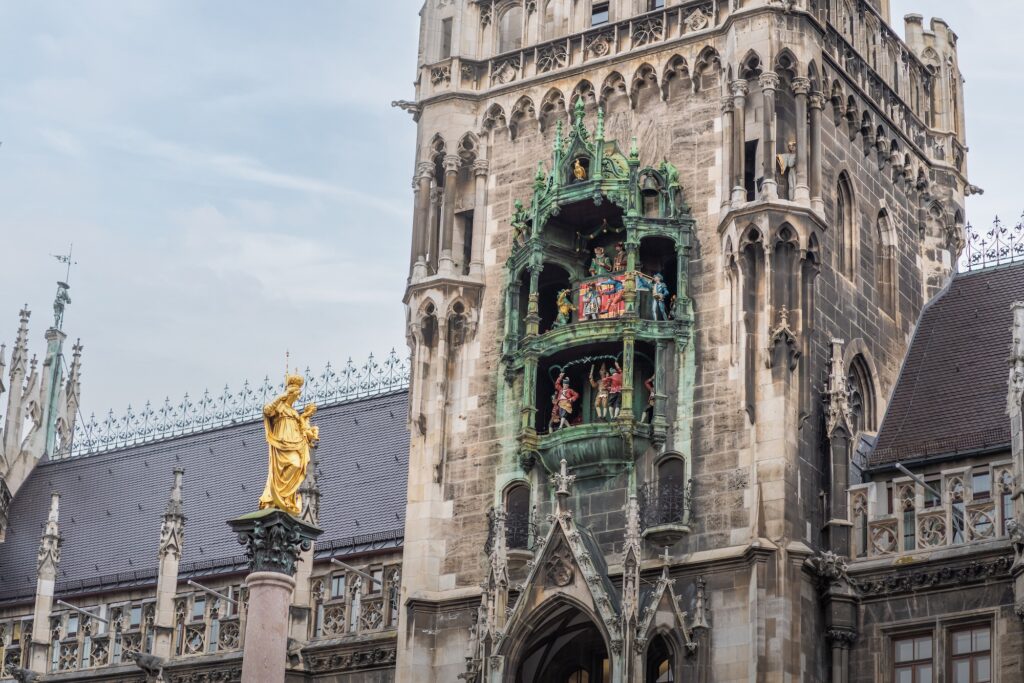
x: 563, y: 399
x: 600, y: 264
x: 671, y: 173
x: 565, y: 308
x: 578, y: 171
x: 602, y: 385
x: 615, y: 392
x: 619, y: 264
x: 648, y: 415
x: 787, y: 169
x: 519, y: 226
x: 591, y: 301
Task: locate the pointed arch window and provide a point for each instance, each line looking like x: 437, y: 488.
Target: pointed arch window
x: 510, y: 29
x: 862, y: 396
x: 845, y: 233
x: 885, y: 264
x: 517, y: 520
x: 658, y: 668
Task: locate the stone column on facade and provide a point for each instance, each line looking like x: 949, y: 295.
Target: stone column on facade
x: 274, y: 541
x: 801, y: 87
x: 628, y: 368
x: 727, y: 150
x: 172, y: 533
x: 476, y: 261
x: 838, y: 431
x: 46, y: 577
x: 769, y: 83
x: 446, y: 264
x: 434, y: 228
x: 1015, y: 410
x: 739, y: 140
x: 816, y: 102
x: 630, y: 293
x: 421, y: 219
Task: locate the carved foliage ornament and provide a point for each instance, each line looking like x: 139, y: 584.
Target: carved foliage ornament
x: 559, y: 569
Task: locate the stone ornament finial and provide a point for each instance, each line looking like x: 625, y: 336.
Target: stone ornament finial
x: 563, y: 480
x: 837, y: 395
x: 172, y: 531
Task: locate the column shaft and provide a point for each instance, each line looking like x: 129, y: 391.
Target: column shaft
x: 451, y: 176
x: 727, y: 149
x: 266, y: 628
x: 816, y: 102
x: 421, y: 216
x: 769, y: 82
x: 801, y: 86
x: 739, y: 91
x: 476, y: 262
x: 433, y: 229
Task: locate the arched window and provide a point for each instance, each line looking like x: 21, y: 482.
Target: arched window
x: 510, y: 29
x: 846, y: 235
x: 517, y: 519
x: 885, y: 264
x: 659, y: 662
x: 862, y: 396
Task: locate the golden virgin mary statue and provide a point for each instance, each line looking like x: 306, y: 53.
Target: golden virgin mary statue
x: 289, y: 438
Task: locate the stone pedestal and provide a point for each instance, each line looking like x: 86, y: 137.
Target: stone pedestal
x: 273, y: 542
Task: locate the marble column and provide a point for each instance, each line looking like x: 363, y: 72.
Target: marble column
x: 727, y: 152
x: 816, y: 102
x: 451, y: 179
x: 476, y: 261
x: 421, y: 219
x: 769, y: 84
x: 801, y: 87
x: 274, y: 541
x: 739, y: 140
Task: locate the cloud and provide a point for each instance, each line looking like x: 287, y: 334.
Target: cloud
x: 61, y: 141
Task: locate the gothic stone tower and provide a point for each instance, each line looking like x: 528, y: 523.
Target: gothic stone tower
x: 795, y: 174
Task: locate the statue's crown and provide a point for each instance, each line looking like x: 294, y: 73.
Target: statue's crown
x: 293, y: 381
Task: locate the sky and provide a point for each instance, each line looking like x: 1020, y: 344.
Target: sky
x: 236, y: 184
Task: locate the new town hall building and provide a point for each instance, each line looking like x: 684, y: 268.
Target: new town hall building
x: 696, y: 390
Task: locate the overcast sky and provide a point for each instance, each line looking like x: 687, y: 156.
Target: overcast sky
x: 235, y: 182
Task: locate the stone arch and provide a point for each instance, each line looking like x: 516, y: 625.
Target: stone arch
x: 493, y: 119
x: 837, y: 96
x: 645, y: 80
x: 662, y: 654
x: 522, y: 112
x: 852, y: 116
x: 613, y: 89
x: 510, y: 26
x: 786, y: 64
x: 675, y: 73
x: 468, y: 149
x: 552, y: 108
x: 751, y: 66
x: 813, y: 76
x: 707, y: 64
x: 560, y: 613
x: 862, y: 381
x: 585, y: 90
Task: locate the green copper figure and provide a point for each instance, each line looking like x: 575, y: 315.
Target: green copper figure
x: 519, y: 225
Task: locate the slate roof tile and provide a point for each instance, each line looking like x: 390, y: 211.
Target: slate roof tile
x: 112, y: 503
x: 950, y: 397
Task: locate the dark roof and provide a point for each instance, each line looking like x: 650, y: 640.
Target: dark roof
x: 951, y: 394
x: 112, y: 503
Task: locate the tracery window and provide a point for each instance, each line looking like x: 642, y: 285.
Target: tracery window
x: 862, y: 396
x: 885, y: 264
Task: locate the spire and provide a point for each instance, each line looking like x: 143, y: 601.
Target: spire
x: 20, y: 351
x: 700, y: 617
x: 837, y: 394
x: 49, y: 545
x: 172, y: 531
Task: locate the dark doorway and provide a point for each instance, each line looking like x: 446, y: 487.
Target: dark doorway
x: 568, y: 648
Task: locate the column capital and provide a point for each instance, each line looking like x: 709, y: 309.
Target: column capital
x: 424, y: 170
x: 273, y: 540
x: 739, y: 88
x: 801, y: 85
x: 727, y: 105
x: 451, y: 163
x: 481, y: 167
x: 769, y: 80
x: 816, y: 100
x: 435, y: 193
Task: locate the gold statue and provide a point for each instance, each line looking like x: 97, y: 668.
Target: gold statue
x: 578, y: 171
x: 289, y: 438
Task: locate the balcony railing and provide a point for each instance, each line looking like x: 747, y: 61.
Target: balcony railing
x: 664, y: 504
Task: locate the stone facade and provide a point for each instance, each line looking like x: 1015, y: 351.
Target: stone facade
x: 845, y: 234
